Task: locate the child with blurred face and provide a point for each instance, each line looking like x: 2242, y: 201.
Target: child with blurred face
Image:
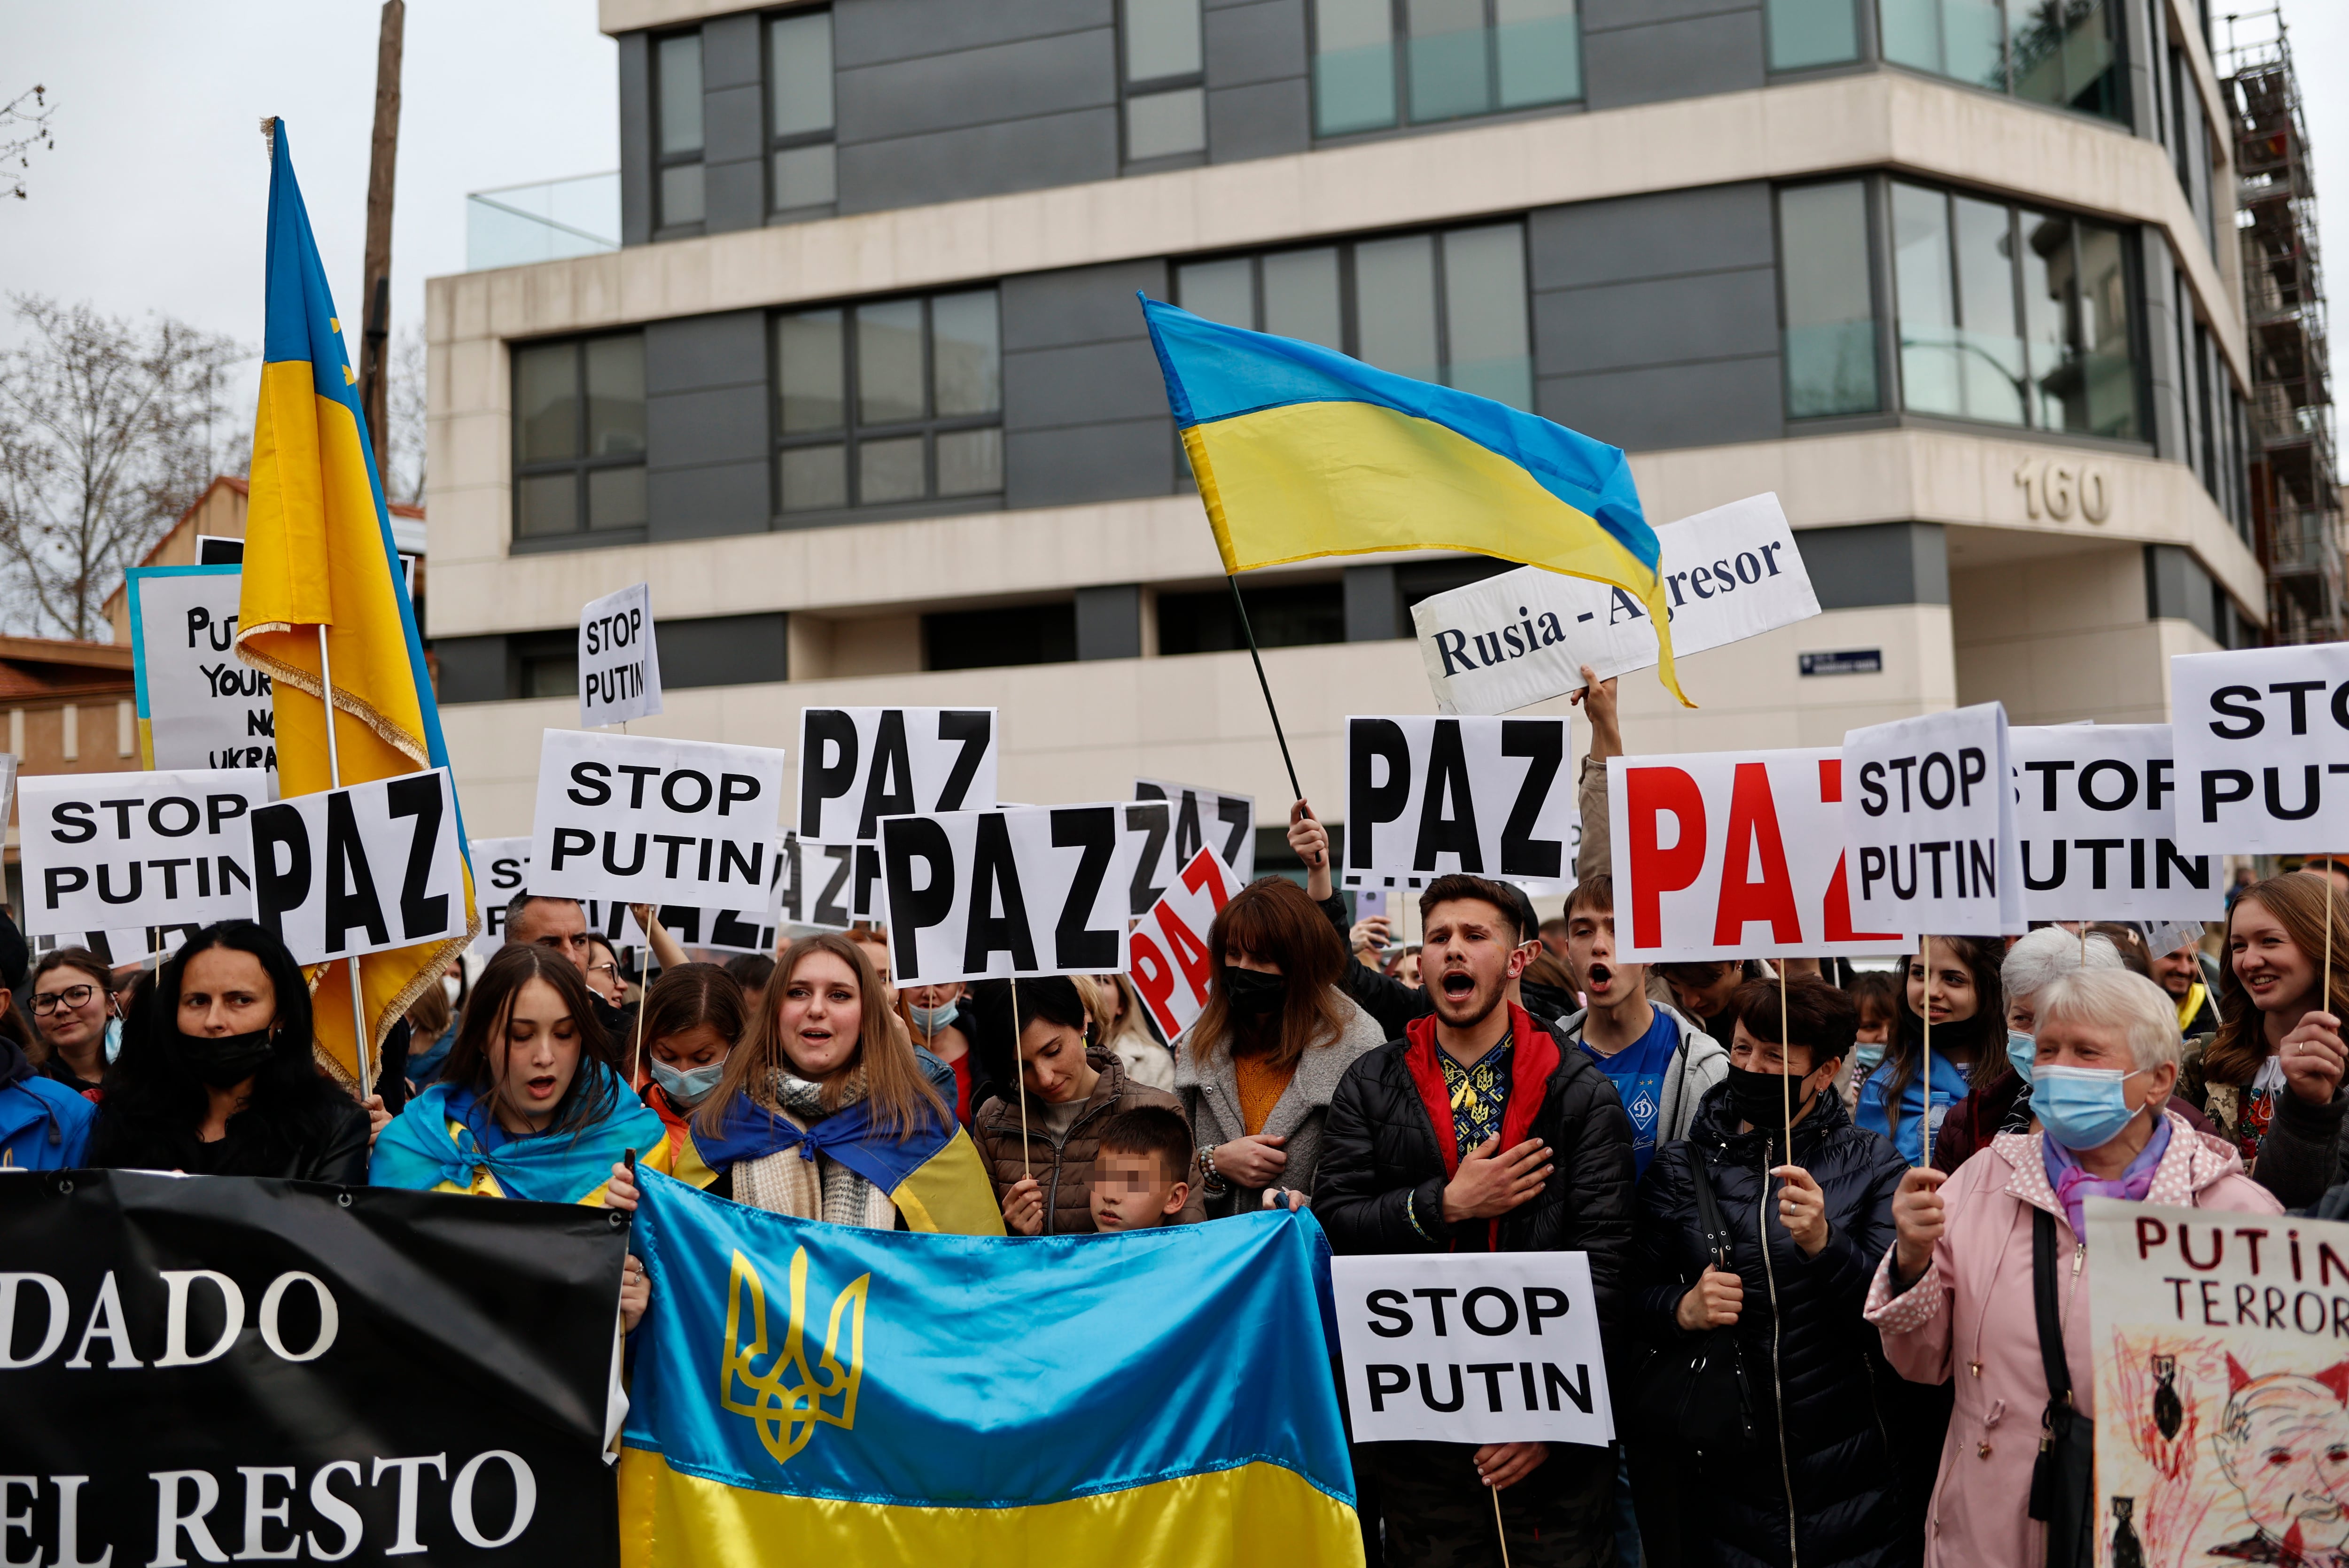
x: 1138, y: 1175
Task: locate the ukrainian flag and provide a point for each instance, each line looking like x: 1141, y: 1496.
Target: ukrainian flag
x: 815, y: 1393
x: 932, y: 1174
x: 318, y: 553
x: 1300, y: 452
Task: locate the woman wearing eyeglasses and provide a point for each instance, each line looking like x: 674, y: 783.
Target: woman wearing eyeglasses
x: 71, y: 1000
x: 44, y: 1125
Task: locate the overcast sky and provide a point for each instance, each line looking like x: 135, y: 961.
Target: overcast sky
x: 155, y: 196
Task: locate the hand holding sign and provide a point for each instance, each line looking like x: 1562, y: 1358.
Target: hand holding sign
x: 2311, y: 1057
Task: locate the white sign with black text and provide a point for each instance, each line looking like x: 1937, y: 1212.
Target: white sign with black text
x: 502, y: 869
x: 619, y: 659
x: 200, y: 707
x: 116, y: 851
x: 858, y: 764
x: 1019, y: 891
x: 647, y: 820
x: 362, y: 869
x: 1928, y: 825
x: 1223, y: 823
x: 1524, y: 636
x: 1425, y: 795
x: 2095, y: 809
x: 2263, y: 739
x: 1472, y: 1348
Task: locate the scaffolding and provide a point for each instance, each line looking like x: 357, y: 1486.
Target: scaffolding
x: 2295, y: 487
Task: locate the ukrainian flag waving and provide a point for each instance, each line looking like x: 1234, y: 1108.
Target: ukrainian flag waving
x: 319, y: 553
x: 1300, y: 451
x: 822, y: 1394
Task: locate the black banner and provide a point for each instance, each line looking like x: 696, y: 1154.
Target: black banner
x: 196, y: 1370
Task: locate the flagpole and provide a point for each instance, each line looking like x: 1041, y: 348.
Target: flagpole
x: 334, y: 781
x: 1296, y: 790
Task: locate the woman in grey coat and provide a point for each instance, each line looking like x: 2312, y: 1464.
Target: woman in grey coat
x: 1256, y: 1070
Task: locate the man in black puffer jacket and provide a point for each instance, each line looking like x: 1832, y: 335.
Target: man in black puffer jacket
x: 1475, y: 1132
x: 1794, y: 1309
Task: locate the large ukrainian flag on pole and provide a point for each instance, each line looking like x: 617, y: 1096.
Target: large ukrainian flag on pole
x: 318, y: 554
x: 810, y: 1393
x: 1300, y: 451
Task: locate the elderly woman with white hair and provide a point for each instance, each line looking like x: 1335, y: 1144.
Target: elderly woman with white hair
x: 1956, y: 1293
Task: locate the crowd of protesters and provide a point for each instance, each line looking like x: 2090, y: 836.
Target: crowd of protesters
x: 1807, y: 1193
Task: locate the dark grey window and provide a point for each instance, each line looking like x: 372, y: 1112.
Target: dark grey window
x: 1828, y: 300
x: 983, y: 639
x: 2066, y: 53
x: 579, y: 435
x: 1284, y: 617
x: 799, y: 176
x: 1812, y: 33
x: 2011, y: 315
x: 1378, y: 63
x: 1161, y: 67
x: 1448, y: 307
x: 888, y: 402
x: 676, y: 130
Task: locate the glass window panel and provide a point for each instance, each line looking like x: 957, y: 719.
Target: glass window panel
x: 1927, y: 301
x: 547, y: 503
x: 680, y: 93
x: 1353, y: 66
x: 808, y: 366
x: 1161, y: 125
x: 799, y: 73
x: 553, y: 674
x: 814, y: 479
x: 680, y: 195
x: 616, y: 497
x: 547, y: 402
x: 889, y: 471
x: 804, y: 177
x: 1394, y: 294
x: 1974, y: 42
x: 1451, y: 72
x: 1809, y: 33
x: 970, y: 462
x: 1301, y: 297
x: 965, y: 359
x: 616, y: 396
x: 1162, y: 38
x: 1912, y: 32
x: 1539, y: 46
x: 2104, y: 334
x: 1989, y: 344
x: 1220, y: 291
x: 2046, y: 288
x: 1829, y: 305
x: 1485, y: 314
x: 2065, y: 56
x: 889, y: 362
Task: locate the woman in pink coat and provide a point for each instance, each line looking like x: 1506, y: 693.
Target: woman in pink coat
x: 1953, y: 1297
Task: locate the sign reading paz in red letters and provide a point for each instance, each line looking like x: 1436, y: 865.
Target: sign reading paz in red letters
x: 1168, y: 958
x: 1728, y: 854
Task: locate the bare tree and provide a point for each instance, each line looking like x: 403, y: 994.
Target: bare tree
x: 107, y: 434
x: 24, y: 126
x: 406, y: 415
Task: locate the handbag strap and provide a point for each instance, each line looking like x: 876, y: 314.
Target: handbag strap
x: 1710, y: 1222
x: 2051, y: 1358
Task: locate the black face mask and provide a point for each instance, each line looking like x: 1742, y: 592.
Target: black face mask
x: 1254, y: 992
x: 1761, y: 1099
x: 613, y: 1018
x: 225, y: 1060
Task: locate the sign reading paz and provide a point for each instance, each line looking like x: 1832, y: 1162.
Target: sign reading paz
x: 2096, y: 814
x: 1426, y: 796
x: 360, y: 870
x: 121, y: 851
x: 1225, y: 824
x: 1725, y: 854
x: 199, y: 706
x: 858, y: 764
x: 1021, y: 891
x: 1929, y: 824
x: 1472, y: 1348
x: 2263, y: 740
x: 1169, y: 946
x: 620, y: 662
x: 646, y: 821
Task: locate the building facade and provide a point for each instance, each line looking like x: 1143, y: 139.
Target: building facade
x: 865, y: 395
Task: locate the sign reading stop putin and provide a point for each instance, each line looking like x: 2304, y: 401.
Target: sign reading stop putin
x: 1730, y: 854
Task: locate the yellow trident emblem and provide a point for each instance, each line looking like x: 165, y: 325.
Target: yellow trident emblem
x: 788, y: 1398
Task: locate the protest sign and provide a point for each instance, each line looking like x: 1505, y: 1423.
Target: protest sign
x: 1226, y: 823
x: 360, y: 870
x: 647, y: 821
x: 1020, y: 891
x: 2263, y: 739
x: 843, y: 883
x: 1524, y: 636
x: 119, y: 851
x: 2219, y: 1383
x: 118, y: 947
x: 502, y: 869
x: 1729, y: 854
x: 619, y: 661
x: 1928, y: 825
x: 858, y: 764
x: 1472, y: 1348
x: 1426, y: 796
x: 353, y: 1352
x: 2094, y: 811
x: 1168, y: 950
x: 7, y: 783
x: 199, y: 706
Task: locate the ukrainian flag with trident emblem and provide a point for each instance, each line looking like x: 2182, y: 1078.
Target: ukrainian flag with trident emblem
x: 319, y: 555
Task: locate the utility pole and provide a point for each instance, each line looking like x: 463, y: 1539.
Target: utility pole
x: 376, y: 293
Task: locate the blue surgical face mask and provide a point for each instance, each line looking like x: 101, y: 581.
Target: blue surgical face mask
x: 2021, y: 1050
x: 2081, y: 1108
x: 1866, y: 1059
x: 691, y: 1086
x: 113, y: 1039
x: 930, y: 1020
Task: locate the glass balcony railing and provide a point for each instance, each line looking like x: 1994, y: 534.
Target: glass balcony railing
x: 517, y: 224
